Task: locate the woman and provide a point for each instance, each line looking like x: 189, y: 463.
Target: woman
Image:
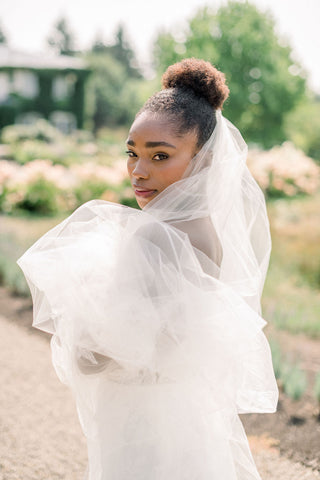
x: 155, y: 314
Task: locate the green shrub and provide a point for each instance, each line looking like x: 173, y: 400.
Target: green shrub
x: 28, y: 150
x: 309, y: 267
x: 10, y: 273
x: 277, y: 359
x: 43, y: 141
x: 41, y: 130
x: 129, y: 202
x: 3, y: 194
x: 302, y: 316
x: 13, y: 277
x: 89, y: 190
x: 41, y: 196
x: 302, y: 126
x: 294, y: 381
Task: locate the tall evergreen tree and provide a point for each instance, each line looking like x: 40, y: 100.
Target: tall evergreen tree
x: 121, y: 51
x: 62, y: 40
x: 3, y: 37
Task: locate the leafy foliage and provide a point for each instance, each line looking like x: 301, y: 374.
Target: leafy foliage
x: 10, y: 272
x: 121, y: 51
x: 239, y: 40
x: 89, y: 189
x: 289, y: 375
x: 40, y: 197
x: 302, y: 126
x: 113, y: 97
x: 41, y: 140
x: 291, y: 295
x: 40, y: 130
x: 104, y: 91
x: 277, y: 359
x: 116, y: 88
x: 294, y: 382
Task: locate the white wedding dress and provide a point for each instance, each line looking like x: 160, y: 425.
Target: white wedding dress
x: 156, y: 325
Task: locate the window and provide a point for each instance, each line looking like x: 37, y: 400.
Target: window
x: 25, y: 83
x: 4, y: 86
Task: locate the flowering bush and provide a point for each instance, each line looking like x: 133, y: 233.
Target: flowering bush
x: 39, y: 196
x: 284, y: 171
x: 46, y: 186
x: 40, y: 186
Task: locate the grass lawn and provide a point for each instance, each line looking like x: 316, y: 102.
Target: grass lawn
x: 17, y: 234
x: 291, y: 297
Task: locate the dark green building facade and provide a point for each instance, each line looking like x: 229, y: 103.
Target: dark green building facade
x: 41, y: 86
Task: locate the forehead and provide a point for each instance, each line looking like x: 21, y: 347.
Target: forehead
x: 153, y: 127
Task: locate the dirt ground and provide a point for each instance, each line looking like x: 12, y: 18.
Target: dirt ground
x: 296, y: 425
x: 40, y: 436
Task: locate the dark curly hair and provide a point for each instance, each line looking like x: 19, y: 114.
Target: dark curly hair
x: 191, y: 92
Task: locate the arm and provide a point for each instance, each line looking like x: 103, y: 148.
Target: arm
x: 91, y: 362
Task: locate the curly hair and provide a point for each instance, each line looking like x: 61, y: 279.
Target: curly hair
x: 191, y: 92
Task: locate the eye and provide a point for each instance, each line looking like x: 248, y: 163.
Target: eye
x: 160, y: 156
x: 130, y: 153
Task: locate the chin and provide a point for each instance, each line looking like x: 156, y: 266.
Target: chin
x: 142, y: 203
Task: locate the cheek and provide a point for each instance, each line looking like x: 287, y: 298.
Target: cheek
x: 129, y: 168
x: 175, y: 171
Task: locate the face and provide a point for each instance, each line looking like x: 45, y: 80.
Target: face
x: 157, y: 157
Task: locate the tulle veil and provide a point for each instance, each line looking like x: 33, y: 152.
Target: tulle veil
x: 217, y: 184
x: 167, y: 298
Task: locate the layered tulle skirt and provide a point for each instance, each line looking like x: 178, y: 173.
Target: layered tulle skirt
x: 161, y: 357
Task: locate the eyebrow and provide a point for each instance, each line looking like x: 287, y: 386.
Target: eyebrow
x: 152, y: 144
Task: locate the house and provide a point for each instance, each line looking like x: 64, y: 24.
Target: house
x: 41, y: 86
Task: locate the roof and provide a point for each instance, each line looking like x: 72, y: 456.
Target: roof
x: 38, y: 61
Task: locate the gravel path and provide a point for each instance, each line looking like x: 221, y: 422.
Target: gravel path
x: 40, y: 436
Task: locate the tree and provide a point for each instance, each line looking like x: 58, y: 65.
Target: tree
x: 116, y: 88
x: 240, y: 40
x: 121, y: 51
x: 3, y: 38
x: 302, y: 126
x: 62, y: 40
x: 112, y: 98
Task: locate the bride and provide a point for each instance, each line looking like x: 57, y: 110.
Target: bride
x: 155, y: 313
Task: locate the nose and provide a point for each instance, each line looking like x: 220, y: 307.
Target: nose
x: 140, y: 170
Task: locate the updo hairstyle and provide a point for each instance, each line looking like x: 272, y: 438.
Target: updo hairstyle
x: 191, y: 92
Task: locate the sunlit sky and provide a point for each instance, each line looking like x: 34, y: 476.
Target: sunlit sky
x: 27, y: 24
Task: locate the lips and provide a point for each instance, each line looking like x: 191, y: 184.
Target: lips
x: 143, y: 192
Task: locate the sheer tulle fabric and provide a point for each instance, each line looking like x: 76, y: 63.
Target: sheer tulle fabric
x: 156, y: 324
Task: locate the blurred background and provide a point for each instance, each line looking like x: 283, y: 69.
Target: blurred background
x: 72, y: 78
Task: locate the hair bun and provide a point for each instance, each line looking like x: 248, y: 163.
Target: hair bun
x: 200, y: 76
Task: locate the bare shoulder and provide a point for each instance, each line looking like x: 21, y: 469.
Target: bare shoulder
x: 203, y: 236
